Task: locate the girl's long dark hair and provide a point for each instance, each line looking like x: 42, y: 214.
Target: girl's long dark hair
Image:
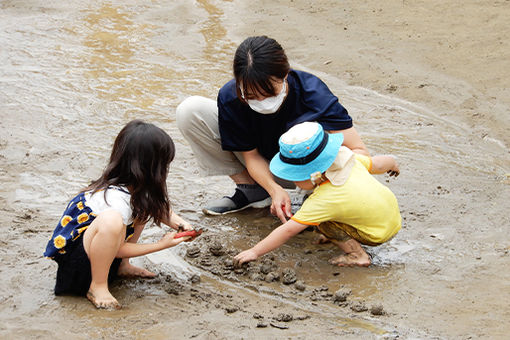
x: 140, y: 160
x: 257, y: 61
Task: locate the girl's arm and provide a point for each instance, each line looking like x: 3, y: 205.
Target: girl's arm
x: 277, y: 237
x: 384, y: 163
x: 133, y: 239
x: 130, y: 249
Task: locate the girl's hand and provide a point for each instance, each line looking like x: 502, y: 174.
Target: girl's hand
x: 168, y: 240
x: 280, y: 205
x: 184, y: 226
x: 245, y: 256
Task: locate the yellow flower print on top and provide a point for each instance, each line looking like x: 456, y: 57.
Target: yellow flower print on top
x: 65, y: 219
x: 80, y: 205
x: 59, y: 242
x: 83, y: 218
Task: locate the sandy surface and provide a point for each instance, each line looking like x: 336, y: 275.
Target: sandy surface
x: 426, y: 81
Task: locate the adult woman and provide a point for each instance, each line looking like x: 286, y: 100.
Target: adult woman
x: 238, y: 134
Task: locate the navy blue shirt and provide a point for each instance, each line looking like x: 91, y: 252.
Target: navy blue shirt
x: 308, y: 100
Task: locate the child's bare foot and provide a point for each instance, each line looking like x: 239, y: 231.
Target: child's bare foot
x: 103, y: 299
x: 126, y: 269
x: 361, y: 259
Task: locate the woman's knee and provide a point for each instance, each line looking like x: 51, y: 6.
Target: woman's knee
x: 191, y: 110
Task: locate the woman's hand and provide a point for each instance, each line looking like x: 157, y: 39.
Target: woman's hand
x: 245, y: 256
x: 168, y: 240
x: 280, y: 206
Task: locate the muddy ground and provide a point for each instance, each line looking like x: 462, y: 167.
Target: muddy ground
x: 426, y: 81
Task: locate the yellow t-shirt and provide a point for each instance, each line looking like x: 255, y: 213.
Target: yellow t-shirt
x: 361, y: 202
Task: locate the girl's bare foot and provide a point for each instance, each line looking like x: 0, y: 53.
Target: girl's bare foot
x: 102, y: 299
x: 126, y: 269
x: 361, y: 259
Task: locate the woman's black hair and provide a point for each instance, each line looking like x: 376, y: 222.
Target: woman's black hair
x: 257, y: 61
x: 140, y: 160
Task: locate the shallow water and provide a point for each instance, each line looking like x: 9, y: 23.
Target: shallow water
x: 83, y: 69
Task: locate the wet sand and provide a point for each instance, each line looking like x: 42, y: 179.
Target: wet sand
x: 425, y: 81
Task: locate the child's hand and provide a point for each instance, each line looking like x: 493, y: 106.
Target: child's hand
x: 245, y: 256
x: 394, y: 171
x: 168, y: 240
x: 184, y: 226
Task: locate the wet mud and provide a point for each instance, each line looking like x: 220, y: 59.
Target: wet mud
x: 430, y: 91
x: 269, y: 276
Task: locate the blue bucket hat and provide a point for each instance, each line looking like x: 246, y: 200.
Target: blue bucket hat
x: 305, y: 149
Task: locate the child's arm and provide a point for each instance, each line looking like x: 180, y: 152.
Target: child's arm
x: 277, y: 237
x: 384, y: 163
x: 130, y: 249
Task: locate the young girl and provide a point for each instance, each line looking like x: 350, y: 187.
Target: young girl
x: 100, y: 227
x: 348, y: 205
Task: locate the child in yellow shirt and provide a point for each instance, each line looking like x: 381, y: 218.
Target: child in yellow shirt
x: 348, y: 205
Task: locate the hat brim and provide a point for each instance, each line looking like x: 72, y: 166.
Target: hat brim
x: 302, y: 172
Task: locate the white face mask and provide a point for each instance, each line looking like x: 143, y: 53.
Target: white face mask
x: 269, y: 105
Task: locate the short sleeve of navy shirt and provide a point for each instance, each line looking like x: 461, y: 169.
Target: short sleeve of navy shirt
x: 308, y: 100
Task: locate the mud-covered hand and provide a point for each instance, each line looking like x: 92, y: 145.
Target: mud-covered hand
x: 280, y: 205
x: 245, y: 256
x: 395, y: 170
x: 184, y: 226
x: 168, y: 240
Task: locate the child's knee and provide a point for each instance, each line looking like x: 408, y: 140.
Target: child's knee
x: 110, y: 221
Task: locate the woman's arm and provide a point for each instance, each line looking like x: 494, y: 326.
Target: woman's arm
x: 274, y: 240
x: 353, y: 141
x: 258, y: 168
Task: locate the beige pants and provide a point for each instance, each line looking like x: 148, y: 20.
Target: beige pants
x: 197, y: 119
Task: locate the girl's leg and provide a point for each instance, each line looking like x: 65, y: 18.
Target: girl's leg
x: 126, y: 269
x: 101, y: 242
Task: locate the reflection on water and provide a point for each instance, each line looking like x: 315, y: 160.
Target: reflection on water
x: 123, y: 66
x: 120, y: 76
